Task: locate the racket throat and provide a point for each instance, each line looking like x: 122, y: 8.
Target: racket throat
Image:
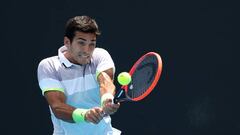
x: 120, y: 96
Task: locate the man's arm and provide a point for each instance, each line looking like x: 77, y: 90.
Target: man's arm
x: 56, y: 100
x: 63, y: 111
x: 105, y: 80
x: 107, y: 91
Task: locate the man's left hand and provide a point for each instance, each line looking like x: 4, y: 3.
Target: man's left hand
x: 109, y: 107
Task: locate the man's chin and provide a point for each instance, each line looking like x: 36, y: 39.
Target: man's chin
x: 84, y: 62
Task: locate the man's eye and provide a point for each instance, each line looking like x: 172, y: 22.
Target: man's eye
x: 81, y: 43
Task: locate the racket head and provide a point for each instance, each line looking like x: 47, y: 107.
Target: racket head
x: 145, y: 74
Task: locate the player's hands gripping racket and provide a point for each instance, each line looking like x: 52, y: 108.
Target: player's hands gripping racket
x: 145, y: 74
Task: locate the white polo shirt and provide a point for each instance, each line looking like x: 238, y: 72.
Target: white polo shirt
x: 80, y: 87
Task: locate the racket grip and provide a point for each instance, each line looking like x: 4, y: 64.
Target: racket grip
x: 115, y: 100
x: 118, y: 96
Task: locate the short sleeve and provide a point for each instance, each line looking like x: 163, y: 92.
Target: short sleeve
x: 104, y: 61
x: 47, y: 77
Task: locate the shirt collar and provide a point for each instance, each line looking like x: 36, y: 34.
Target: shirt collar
x: 62, y: 58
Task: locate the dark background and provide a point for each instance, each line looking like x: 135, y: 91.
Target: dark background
x: 197, y: 94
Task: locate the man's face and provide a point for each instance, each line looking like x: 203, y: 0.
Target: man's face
x: 81, y: 48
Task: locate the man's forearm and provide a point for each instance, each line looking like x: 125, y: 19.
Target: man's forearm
x: 106, y: 84
x: 63, y: 111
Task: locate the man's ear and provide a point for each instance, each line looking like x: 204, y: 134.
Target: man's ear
x: 67, y: 41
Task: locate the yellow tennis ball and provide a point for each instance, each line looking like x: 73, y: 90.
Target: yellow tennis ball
x: 124, y: 78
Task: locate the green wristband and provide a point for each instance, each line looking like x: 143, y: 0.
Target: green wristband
x: 78, y: 115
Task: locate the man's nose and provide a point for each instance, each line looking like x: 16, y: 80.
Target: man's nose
x: 87, y: 48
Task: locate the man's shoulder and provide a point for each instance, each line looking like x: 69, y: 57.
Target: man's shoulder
x: 100, y: 52
x: 49, y: 60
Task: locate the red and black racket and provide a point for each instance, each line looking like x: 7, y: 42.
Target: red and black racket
x: 145, y: 74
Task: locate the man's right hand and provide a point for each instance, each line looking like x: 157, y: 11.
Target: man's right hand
x: 94, y: 115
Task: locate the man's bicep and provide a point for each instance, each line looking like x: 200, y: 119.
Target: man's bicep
x: 54, y: 97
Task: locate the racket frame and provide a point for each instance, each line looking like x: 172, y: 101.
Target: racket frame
x: 121, y: 94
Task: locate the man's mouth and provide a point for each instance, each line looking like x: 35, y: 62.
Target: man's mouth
x: 84, y: 56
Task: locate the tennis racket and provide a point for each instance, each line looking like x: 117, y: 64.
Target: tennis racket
x: 145, y: 74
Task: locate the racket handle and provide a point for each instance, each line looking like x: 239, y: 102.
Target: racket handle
x: 115, y: 101
x: 118, y: 96
x: 122, y: 99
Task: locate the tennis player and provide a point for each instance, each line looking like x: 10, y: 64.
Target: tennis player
x: 78, y: 82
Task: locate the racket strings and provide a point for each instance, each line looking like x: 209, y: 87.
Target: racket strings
x: 143, y: 77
